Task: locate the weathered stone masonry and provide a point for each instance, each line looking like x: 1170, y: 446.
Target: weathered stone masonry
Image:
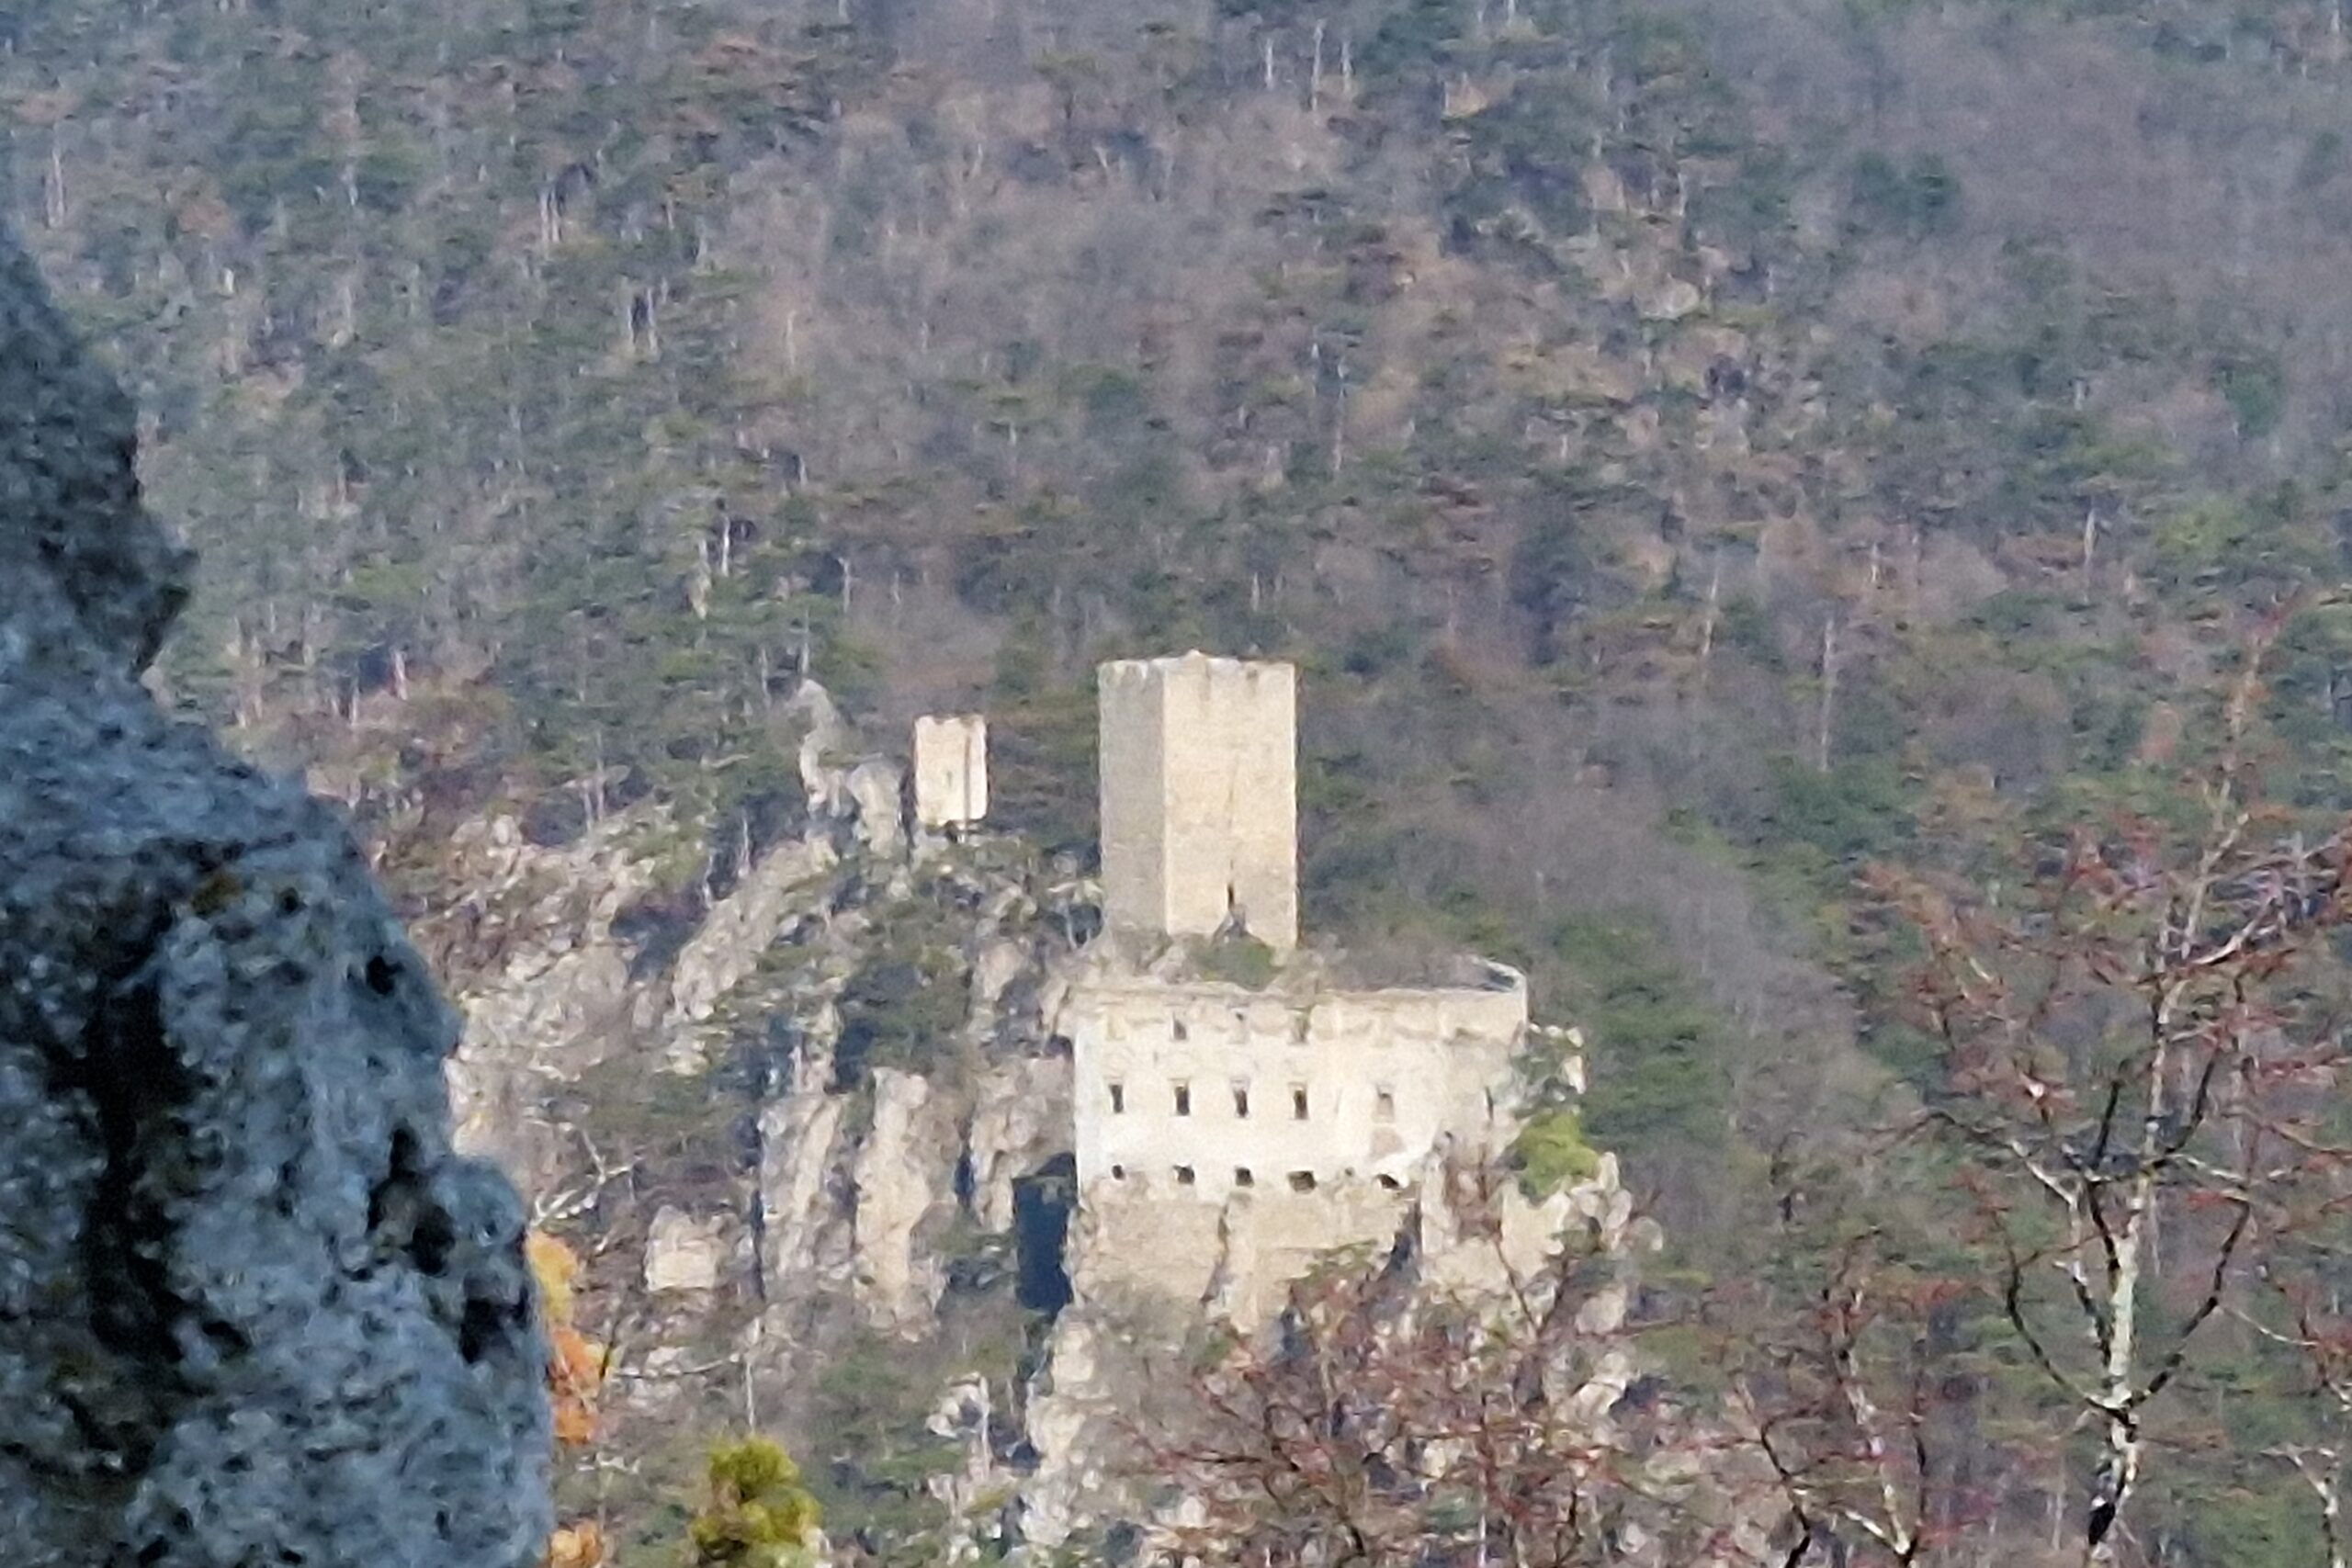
x: 1216, y: 1089
x: 950, y: 769
x: 1199, y: 821
x: 1225, y: 1137
x: 1228, y: 1138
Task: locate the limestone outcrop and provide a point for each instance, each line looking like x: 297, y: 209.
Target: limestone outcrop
x: 1458, y: 1235
x: 741, y: 927
x: 534, y: 965
x: 252, y: 1308
x: 904, y: 1174
x: 898, y: 1091
x: 684, y: 1254
x: 1020, y: 1124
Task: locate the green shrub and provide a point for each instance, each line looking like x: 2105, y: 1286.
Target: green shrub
x: 1237, y: 961
x: 759, y: 1516
x: 1550, y: 1153
x: 901, y: 1009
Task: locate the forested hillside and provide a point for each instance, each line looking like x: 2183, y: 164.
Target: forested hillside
x: 1693, y: 448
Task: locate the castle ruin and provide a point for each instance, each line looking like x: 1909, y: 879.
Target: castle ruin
x: 1226, y: 1135
x: 1200, y: 783
x: 1226, y: 1138
x: 1214, y: 1089
x: 950, y: 769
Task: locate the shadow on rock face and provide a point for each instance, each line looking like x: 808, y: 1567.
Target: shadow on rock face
x: 252, y: 1307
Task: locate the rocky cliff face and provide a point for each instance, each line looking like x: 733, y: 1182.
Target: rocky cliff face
x: 251, y: 1309
x: 791, y: 1120
x: 829, y: 1117
x: 1463, y: 1238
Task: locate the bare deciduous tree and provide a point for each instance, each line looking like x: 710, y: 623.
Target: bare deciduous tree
x: 1850, y: 1461
x: 1382, y: 1422
x: 2135, y: 1070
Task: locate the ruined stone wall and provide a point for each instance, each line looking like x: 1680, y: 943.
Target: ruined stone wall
x: 1152, y: 1258
x: 1145, y: 1241
x: 1196, y: 1090
x: 1133, y: 831
x: 951, y: 766
x: 1199, y: 769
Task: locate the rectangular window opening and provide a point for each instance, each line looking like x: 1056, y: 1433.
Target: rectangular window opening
x: 1242, y: 1178
x: 1118, y: 1099
x: 1177, y: 1030
x: 1302, y: 1181
x: 1183, y: 1100
x: 1184, y: 1176
x: 1298, y: 1103
x: 1242, y: 1100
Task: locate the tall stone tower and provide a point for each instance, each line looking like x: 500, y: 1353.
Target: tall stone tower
x: 1199, y: 786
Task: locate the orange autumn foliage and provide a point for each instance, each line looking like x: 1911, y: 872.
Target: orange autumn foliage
x: 553, y: 1267
x: 573, y: 1370
x: 575, y: 1374
x: 576, y: 1546
x: 575, y: 1362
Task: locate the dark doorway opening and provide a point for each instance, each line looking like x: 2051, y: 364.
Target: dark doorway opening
x: 1040, y: 1206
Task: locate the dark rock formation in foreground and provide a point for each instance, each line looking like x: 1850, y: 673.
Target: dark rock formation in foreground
x: 251, y: 1309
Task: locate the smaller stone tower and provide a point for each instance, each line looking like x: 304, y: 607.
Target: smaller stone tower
x: 951, y: 770
x: 1200, y: 783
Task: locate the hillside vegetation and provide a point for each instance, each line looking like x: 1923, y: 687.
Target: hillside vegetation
x: 1693, y: 448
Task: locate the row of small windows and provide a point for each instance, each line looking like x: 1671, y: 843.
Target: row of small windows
x: 1384, y: 1102
x: 1300, y: 1180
